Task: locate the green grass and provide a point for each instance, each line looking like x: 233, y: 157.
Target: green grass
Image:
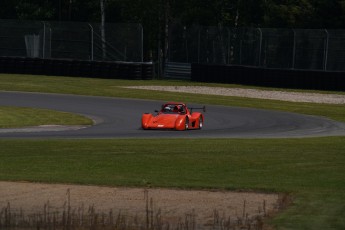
x: 281, y: 165
x: 13, y: 117
x: 312, y: 169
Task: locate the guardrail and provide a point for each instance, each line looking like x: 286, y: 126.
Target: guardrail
x: 177, y: 70
x: 77, y: 68
x: 247, y: 75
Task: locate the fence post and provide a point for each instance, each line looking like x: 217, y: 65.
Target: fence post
x: 241, y: 52
x: 44, y: 40
x: 229, y: 42
x: 199, y: 44
x: 186, y: 42
x: 260, y: 46
x: 50, y: 42
x: 294, y: 49
x: 91, y: 41
x: 325, y: 57
x: 142, y: 42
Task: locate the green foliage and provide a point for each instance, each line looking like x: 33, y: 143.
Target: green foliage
x: 251, y: 13
x: 287, y: 14
x: 7, y: 9
x: 264, y: 13
x: 329, y: 14
x: 34, y: 10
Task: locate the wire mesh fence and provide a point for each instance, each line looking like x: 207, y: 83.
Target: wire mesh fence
x: 261, y: 47
x: 71, y: 40
x: 307, y: 49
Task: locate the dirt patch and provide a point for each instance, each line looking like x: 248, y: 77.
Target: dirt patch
x: 173, y: 204
x: 252, y: 93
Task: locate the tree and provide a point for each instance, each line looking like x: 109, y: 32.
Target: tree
x: 250, y: 13
x: 329, y: 14
x: 8, y: 10
x: 288, y: 13
x: 104, y: 51
x: 34, y: 10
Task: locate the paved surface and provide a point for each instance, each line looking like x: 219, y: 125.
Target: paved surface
x: 120, y: 118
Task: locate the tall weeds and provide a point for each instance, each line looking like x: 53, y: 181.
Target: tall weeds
x: 83, y: 218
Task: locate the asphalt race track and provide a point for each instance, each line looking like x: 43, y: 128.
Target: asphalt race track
x: 120, y: 118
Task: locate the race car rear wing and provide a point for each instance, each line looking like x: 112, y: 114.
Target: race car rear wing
x: 203, y: 109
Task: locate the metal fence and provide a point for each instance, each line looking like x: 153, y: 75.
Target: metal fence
x: 71, y: 40
x: 262, y: 47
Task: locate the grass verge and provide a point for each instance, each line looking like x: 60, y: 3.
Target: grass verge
x: 280, y: 165
x: 297, y: 166
x: 13, y: 117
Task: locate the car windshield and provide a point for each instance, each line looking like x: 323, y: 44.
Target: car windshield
x: 173, y: 108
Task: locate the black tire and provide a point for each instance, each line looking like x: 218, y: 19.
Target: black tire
x: 201, y: 122
x: 186, y: 125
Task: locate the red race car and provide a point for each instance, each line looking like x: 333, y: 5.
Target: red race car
x: 173, y: 115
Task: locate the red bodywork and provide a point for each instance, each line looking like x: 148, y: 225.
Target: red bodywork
x: 173, y: 115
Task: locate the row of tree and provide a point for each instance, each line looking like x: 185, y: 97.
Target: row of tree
x: 258, y: 13
x: 156, y: 15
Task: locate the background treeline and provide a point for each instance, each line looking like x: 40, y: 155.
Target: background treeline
x: 154, y: 15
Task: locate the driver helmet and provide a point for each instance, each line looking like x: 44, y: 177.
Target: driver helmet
x: 167, y: 109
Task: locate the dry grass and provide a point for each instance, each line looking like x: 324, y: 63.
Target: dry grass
x: 86, y: 218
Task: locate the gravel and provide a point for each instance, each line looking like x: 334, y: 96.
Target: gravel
x: 252, y: 93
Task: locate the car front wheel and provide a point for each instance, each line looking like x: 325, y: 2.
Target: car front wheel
x: 201, y: 123
x: 186, y: 126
